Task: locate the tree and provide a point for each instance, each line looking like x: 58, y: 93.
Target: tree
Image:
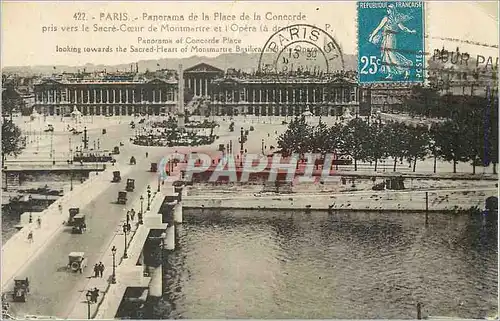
x: 12, y: 143
x: 377, y: 143
x: 397, y: 138
x: 451, y: 142
x: 319, y: 138
x: 423, y: 102
x: 296, y: 138
x: 418, y: 141
x: 11, y: 100
x: 355, y: 135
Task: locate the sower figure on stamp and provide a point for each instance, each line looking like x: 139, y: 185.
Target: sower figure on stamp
x: 393, y: 63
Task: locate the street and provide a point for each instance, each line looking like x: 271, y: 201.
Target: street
x: 53, y: 289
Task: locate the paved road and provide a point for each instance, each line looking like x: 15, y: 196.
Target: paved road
x: 54, y: 290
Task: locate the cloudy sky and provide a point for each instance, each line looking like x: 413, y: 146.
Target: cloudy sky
x: 26, y: 42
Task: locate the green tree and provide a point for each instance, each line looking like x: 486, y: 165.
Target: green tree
x: 12, y: 143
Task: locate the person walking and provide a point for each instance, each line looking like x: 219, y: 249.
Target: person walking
x: 96, y: 270
x: 101, y: 269
x: 39, y: 222
x: 95, y: 295
x: 132, y: 214
x: 30, y: 237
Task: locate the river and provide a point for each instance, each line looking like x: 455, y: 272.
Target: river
x: 250, y: 264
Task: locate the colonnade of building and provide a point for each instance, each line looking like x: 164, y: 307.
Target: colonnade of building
x: 105, y: 95
x: 289, y: 94
x: 200, y: 86
x: 107, y: 100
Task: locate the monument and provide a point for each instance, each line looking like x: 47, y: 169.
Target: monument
x: 347, y: 114
x: 180, y: 105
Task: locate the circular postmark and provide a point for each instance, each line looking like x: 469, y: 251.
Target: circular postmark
x: 300, y: 49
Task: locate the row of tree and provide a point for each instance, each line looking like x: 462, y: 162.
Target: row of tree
x: 454, y: 140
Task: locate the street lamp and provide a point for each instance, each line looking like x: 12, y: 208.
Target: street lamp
x: 29, y: 204
x: 125, y: 230
x: 89, y: 298
x: 113, y: 277
x: 158, y: 189
x: 141, y: 212
x: 149, y: 198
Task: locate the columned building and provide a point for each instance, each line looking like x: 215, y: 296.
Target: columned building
x: 106, y: 95
x: 325, y: 95
x: 213, y: 92
x: 198, y: 78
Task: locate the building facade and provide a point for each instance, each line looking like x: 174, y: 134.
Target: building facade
x: 207, y: 89
x: 320, y: 95
x: 107, y: 94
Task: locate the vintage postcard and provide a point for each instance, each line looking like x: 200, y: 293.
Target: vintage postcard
x: 249, y: 160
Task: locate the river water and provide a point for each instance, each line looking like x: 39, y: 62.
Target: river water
x: 250, y: 264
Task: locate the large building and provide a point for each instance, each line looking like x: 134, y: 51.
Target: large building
x: 208, y: 91
x: 123, y: 93
x: 270, y: 95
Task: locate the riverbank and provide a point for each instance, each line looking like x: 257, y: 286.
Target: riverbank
x: 420, y: 195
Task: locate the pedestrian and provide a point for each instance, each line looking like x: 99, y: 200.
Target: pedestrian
x: 95, y: 295
x: 147, y: 154
x: 39, y: 222
x: 132, y: 214
x: 128, y: 216
x: 30, y: 237
x: 101, y: 269
x: 96, y: 270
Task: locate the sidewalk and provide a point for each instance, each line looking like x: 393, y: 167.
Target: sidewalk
x: 79, y: 309
x: 17, y: 252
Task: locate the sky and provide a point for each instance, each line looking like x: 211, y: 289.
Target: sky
x: 28, y: 35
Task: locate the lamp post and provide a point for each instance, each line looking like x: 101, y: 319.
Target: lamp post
x: 125, y: 230
x: 141, y: 212
x: 89, y: 298
x: 149, y: 198
x: 29, y: 204
x: 113, y: 277
x: 158, y: 189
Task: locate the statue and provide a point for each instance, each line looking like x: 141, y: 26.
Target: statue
x: 347, y: 114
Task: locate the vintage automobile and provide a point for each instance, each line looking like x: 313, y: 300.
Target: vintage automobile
x: 104, y: 131
x: 122, y: 197
x: 77, y: 261
x: 132, y: 160
x: 21, y: 289
x: 154, y: 167
x: 116, y: 177
x: 72, y: 213
x: 49, y: 128
x: 116, y: 150
x: 130, y: 185
x: 79, y: 225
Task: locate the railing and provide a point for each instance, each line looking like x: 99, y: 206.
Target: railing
x: 36, y: 165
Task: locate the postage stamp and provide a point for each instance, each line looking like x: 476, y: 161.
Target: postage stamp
x: 391, y: 41
x: 300, y: 49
